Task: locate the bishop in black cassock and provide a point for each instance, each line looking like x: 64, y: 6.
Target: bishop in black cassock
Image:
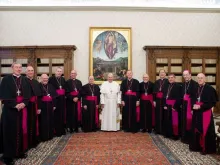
x: 203, y: 129
x: 159, y: 92
x: 130, y: 101
x: 188, y: 92
x: 33, y: 108
x: 171, y: 108
x: 73, y: 94
x: 48, y: 106
x: 15, y: 95
x: 147, y: 114
x: 90, y: 103
x: 59, y: 83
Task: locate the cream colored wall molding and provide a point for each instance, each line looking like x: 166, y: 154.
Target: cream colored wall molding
x: 120, y: 5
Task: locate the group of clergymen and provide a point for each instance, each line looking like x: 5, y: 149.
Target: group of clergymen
x: 34, y: 112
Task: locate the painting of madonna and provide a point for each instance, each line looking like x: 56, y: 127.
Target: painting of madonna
x: 110, y: 52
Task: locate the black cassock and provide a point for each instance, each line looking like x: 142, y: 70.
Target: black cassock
x: 14, y: 135
x: 203, y: 129
x: 172, y: 100
x: 46, y: 117
x: 60, y: 113
x: 188, y: 92
x: 159, y: 92
x: 90, y: 116
x: 130, y: 95
x: 147, y: 116
x: 33, y: 106
x: 74, y: 114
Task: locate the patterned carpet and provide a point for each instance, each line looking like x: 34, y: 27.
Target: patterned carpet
x: 114, y: 148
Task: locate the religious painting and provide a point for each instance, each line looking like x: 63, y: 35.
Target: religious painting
x: 110, y: 52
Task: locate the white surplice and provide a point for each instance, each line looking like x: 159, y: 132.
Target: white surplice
x: 110, y: 97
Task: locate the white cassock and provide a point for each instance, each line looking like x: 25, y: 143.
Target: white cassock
x: 110, y: 97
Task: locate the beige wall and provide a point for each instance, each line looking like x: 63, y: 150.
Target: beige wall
x: 18, y: 28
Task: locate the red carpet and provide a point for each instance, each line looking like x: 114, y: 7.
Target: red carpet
x: 111, y: 148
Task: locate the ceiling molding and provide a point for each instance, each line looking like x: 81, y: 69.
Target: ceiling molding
x: 109, y: 8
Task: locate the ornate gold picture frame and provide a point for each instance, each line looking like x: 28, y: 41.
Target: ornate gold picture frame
x: 110, y: 52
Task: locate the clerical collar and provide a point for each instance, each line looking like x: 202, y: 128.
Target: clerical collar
x: 30, y: 78
x: 130, y: 79
x: 58, y: 77
x: 17, y: 75
x: 202, y: 85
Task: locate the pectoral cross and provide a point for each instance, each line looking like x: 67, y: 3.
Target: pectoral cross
x: 111, y: 90
x: 198, y: 99
x: 60, y: 87
x: 18, y: 92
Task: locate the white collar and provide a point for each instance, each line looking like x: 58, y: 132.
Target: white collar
x: 17, y: 75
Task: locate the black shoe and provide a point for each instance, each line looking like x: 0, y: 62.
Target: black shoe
x: 143, y: 130
x: 149, y: 131
x: 175, y: 138
x: 71, y: 130
x: 76, y: 130
x: 8, y: 161
x: 203, y: 153
x: 22, y: 156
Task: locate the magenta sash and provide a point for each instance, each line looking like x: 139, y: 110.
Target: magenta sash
x: 175, y: 119
x: 188, y: 112
x: 19, y: 99
x: 130, y: 93
x: 75, y: 93
x: 206, y: 119
x: 47, y: 99
x: 33, y: 99
x: 94, y: 98
x: 150, y: 98
x: 60, y: 92
x: 138, y: 113
x: 159, y: 95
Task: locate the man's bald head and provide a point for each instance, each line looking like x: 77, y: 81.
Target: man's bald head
x: 145, y: 77
x: 30, y: 72
x: 73, y: 74
x: 201, y: 79
x: 44, y: 79
x: 91, y: 79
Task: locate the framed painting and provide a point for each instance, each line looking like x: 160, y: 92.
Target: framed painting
x: 110, y: 52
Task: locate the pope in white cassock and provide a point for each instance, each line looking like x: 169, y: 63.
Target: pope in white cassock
x: 110, y: 101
